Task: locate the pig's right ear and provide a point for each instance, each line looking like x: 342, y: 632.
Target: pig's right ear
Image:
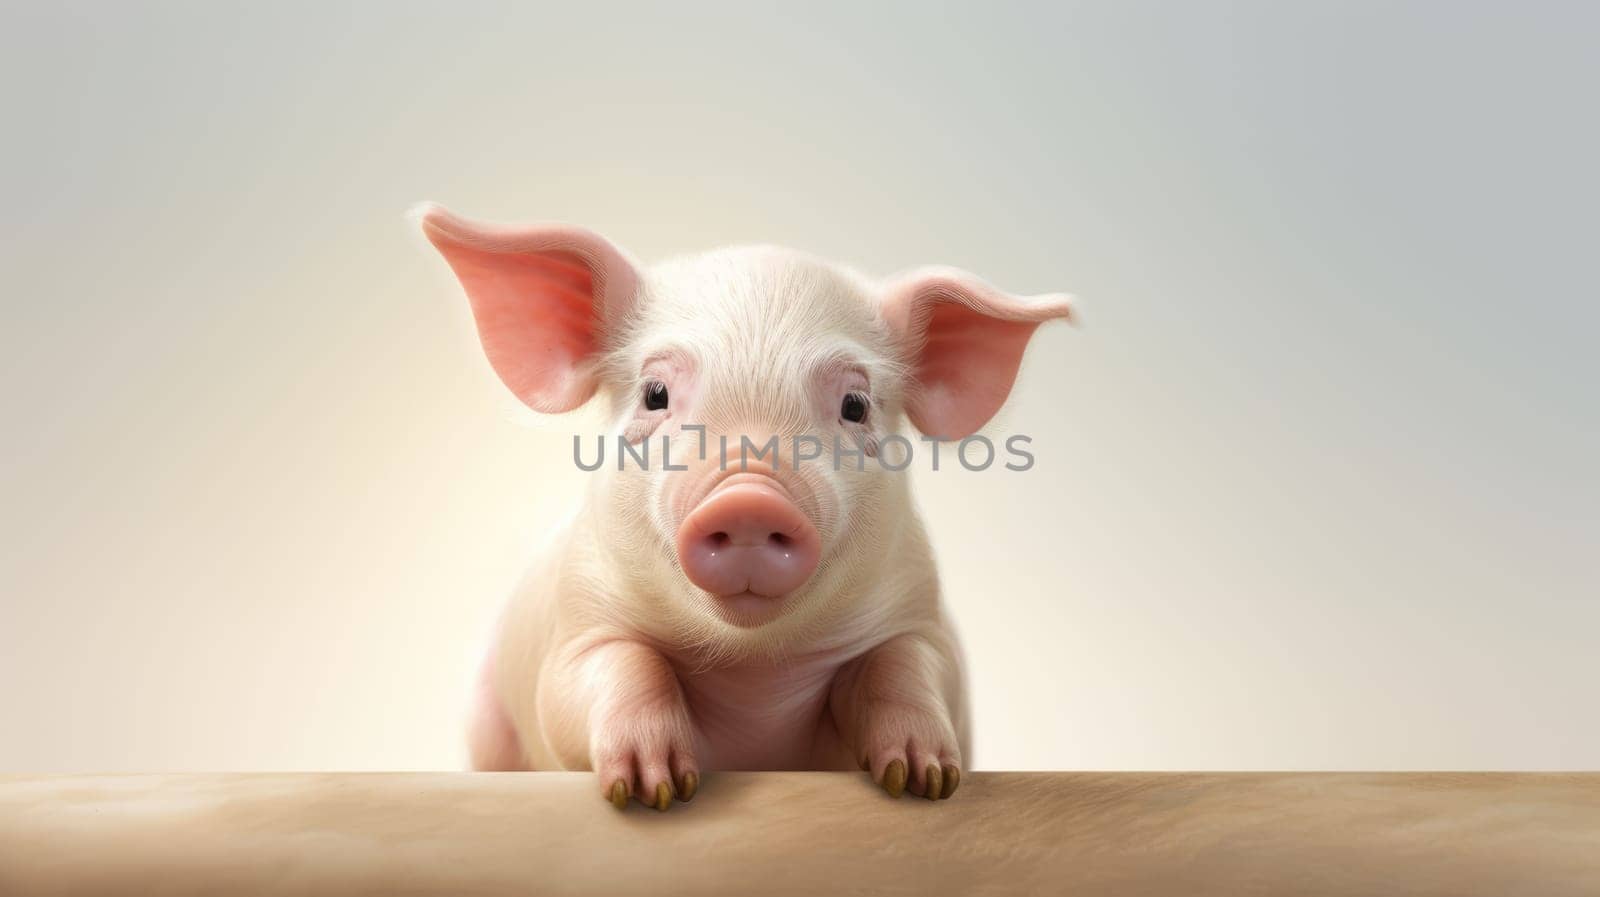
x: 964, y: 340
x: 542, y: 295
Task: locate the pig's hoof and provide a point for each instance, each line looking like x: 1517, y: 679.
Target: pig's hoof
x: 937, y: 782
x: 650, y: 766
x: 909, y: 750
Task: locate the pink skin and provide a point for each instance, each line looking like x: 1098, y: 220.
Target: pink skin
x: 719, y: 616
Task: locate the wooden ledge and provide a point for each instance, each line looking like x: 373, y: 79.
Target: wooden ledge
x: 804, y: 833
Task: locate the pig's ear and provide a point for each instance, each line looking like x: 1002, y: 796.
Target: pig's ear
x: 543, y: 296
x: 963, y: 340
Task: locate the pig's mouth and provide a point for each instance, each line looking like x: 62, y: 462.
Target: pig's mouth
x: 747, y: 610
x: 748, y: 545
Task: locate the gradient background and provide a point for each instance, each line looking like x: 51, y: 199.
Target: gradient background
x: 1316, y: 480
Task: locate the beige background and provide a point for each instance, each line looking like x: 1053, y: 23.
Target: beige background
x: 1315, y: 482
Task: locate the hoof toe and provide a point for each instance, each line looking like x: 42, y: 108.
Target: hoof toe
x: 894, y: 778
x: 952, y: 778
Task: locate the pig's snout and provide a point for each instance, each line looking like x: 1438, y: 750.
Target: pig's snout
x: 748, y: 537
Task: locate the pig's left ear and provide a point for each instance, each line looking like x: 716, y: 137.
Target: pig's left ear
x: 543, y: 297
x: 964, y: 341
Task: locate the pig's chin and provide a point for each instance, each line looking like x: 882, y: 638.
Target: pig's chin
x: 748, y: 610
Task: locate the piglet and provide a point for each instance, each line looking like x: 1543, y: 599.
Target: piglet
x: 753, y: 588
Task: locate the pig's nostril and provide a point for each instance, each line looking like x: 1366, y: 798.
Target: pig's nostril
x: 720, y: 540
x: 780, y: 540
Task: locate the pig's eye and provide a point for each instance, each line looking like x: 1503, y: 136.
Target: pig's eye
x: 655, y: 395
x: 854, y: 407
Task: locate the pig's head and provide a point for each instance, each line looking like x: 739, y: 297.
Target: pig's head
x: 736, y: 546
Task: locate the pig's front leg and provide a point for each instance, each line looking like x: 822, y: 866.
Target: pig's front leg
x: 893, y: 706
x: 615, y: 706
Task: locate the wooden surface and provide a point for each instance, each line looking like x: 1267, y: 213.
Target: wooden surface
x: 804, y: 833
